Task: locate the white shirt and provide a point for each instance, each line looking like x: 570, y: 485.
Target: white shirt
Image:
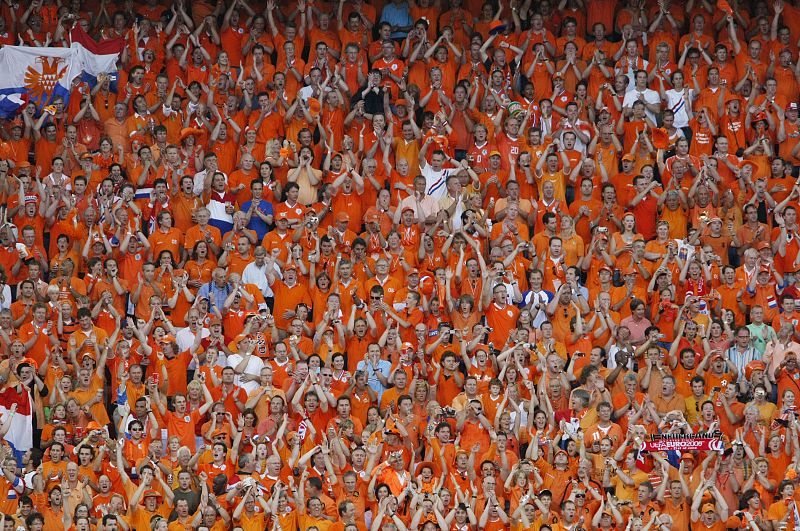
x: 436, y: 181
x: 455, y: 219
x: 544, y: 298
x: 5, y: 297
x: 611, y: 362
x: 257, y: 276
x: 185, y: 339
x: 650, y: 97
x: 629, y: 70
x: 584, y: 128
x: 428, y: 206
x: 677, y: 104
x: 253, y: 367
x: 199, y: 181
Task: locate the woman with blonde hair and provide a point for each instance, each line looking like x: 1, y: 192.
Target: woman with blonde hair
x: 517, y: 485
x: 158, y: 523
x: 419, y: 395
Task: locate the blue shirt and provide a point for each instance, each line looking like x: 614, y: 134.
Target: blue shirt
x: 383, y: 367
x: 256, y: 223
x: 216, y: 296
x: 397, y: 15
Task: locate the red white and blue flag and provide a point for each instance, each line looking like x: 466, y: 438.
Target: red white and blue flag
x: 20, y: 434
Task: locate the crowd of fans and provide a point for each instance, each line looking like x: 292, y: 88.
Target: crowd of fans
x: 404, y: 265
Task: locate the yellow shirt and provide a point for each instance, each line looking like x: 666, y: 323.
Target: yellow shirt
x: 307, y: 521
x: 628, y: 493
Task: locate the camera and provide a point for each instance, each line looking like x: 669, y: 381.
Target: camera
x: 489, y: 329
x: 602, y: 230
x: 448, y: 412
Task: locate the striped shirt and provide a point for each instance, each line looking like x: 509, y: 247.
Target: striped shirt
x: 742, y: 358
x: 436, y: 181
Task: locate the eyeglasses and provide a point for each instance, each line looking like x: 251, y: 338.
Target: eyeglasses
x: 744, y: 337
x: 375, y: 298
x: 580, y: 495
x: 326, y: 374
x: 136, y: 429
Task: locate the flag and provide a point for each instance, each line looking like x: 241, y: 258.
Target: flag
x: 20, y: 434
x: 772, y: 302
x: 38, y: 75
x: 96, y: 57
